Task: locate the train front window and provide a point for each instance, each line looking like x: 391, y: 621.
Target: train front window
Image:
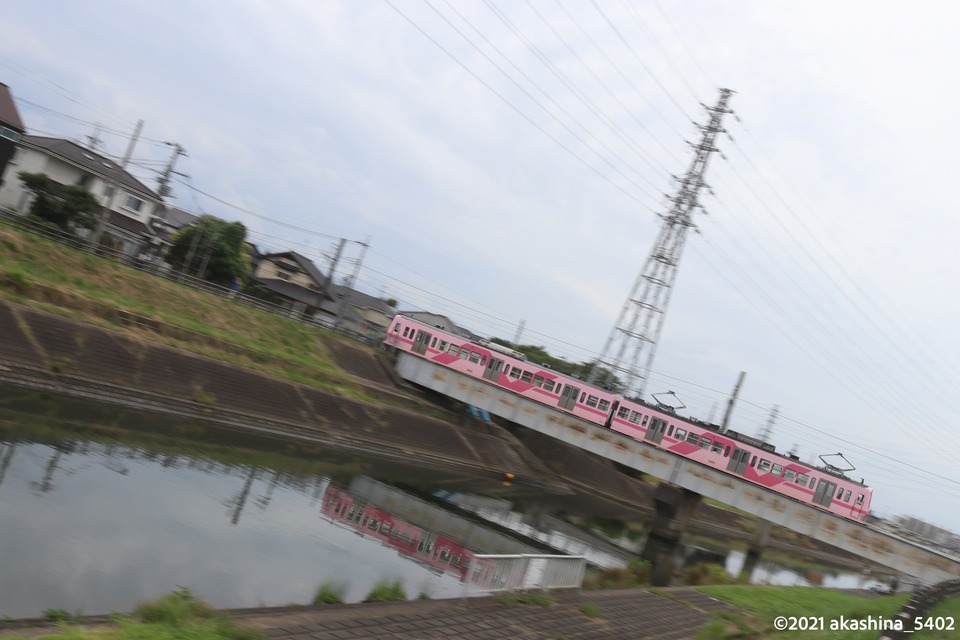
x: 859, y: 499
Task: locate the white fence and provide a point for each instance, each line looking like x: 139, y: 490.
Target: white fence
x: 495, y: 573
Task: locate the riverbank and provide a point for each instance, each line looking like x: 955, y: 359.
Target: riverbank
x: 87, y: 327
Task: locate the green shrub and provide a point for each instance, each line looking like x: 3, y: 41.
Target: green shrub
x: 329, y: 593
x: 590, y: 609
x: 707, y: 574
x: 387, y: 591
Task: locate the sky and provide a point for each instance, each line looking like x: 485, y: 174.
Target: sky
x: 506, y: 164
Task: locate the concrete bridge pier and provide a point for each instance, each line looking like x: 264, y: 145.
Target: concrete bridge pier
x: 754, y: 549
x: 673, y: 507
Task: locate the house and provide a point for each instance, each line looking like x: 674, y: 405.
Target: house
x: 11, y: 128
x: 308, y: 293
x: 127, y: 205
x: 355, y: 312
x: 440, y: 322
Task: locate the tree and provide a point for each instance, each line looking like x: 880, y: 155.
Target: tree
x: 213, y: 249
x: 67, y: 206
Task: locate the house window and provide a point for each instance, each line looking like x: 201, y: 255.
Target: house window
x: 283, y: 275
x: 133, y: 203
x: 84, y: 180
x: 9, y: 134
x: 108, y: 191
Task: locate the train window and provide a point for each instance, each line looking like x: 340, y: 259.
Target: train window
x: 705, y: 442
x: 592, y: 401
x: 433, y: 344
x: 692, y: 438
x: 604, y: 405
x: 777, y: 470
x: 813, y: 482
x: 453, y: 350
x: 385, y: 528
x: 670, y: 431
x: 548, y: 385
x: 406, y: 331
x: 840, y: 493
x: 443, y: 346
x: 802, y: 479
x: 753, y: 462
x: 859, y: 499
x: 559, y: 387
x: 644, y: 421
x: 474, y: 357
x: 726, y: 452
x: 582, y: 396
x: 464, y: 353
x: 634, y: 417
x: 623, y: 413
x: 764, y: 465
x: 514, y: 372
x: 717, y: 447
x: 789, y: 475
x: 374, y: 523
x: 681, y: 434
x: 538, y: 381
x: 846, y: 496
x: 526, y: 376
x: 396, y: 328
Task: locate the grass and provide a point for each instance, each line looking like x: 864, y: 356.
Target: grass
x: 766, y: 603
x: 535, y: 598
x: 590, y: 609
x: 178, y: 616
x: 46, y: 275
x: 387, y: 591
x: 329, y: 593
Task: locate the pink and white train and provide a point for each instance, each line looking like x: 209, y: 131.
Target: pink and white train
x: 737, y: 454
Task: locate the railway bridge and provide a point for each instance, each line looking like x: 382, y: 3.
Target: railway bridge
x: 685, y: 482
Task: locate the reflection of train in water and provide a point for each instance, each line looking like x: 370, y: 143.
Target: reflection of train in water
x: 437, y: 552
x: 748, y: 458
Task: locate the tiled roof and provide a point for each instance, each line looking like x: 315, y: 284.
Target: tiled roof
x: 74, y: 154
x: 303, y: 261
x: 9, y: 116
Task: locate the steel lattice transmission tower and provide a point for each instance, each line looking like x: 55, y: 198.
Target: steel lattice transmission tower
x: 641, y: 319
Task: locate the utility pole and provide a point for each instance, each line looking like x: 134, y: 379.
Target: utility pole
x: 348, y: 285
x: 640, y: 322
x: 731, y: 402
x: 112, y: 184
x: 333, y: 266
x: 163, y: 182
x: 519, y: 334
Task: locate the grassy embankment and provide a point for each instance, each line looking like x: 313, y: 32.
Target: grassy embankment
x: 763, y: 604
x: 43, y: 274
x: 177, y: 616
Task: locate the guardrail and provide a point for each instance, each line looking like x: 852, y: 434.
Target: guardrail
x: 516, y: 572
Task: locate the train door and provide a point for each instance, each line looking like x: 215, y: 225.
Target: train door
x: 656, y: 430
x: 494, y: 367
x: 421, y: 342
x: 569, y: 397
x: 738, y: 461
x: 824, y: 493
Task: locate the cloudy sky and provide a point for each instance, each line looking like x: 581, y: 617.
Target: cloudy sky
x: 506, y: 162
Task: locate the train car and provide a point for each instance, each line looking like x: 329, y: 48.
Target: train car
x: 737, y: 454
x: 439, y: 553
